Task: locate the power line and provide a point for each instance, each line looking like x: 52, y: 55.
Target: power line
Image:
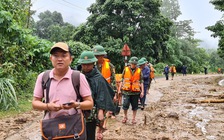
x: 38, y: 8
x: 75, y: 5
x: 70, y: 5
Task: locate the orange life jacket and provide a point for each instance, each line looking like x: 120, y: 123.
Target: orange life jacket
x: 152, y: 71
x: 173, y: 69
x: 131, y: 82
x: 106, y: 70
x: 118, y: 77
x: 106, y: 59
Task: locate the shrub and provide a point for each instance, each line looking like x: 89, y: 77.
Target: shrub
x: 8, y: 96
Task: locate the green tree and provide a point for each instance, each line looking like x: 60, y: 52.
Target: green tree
x: 51, y: 26
x: 215, y: 60
x: 180, y: 29
x: 13, y: 15
x: 137, y: 23
x: 170, y: 9
x: 182, y: 46
x: 21, y: 53
x: 218, y: 28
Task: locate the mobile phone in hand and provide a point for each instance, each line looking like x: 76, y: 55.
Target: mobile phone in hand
x: 69, y: 103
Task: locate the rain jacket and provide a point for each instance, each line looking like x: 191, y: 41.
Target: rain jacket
x: 146, y: 73
x: 102, y: 92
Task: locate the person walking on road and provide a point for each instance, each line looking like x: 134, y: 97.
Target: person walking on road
x: 61, y: 89
x: 145, y: 72
x: 132, y: 87
x: 173, y: 71
x: 184, y: 70
x: 205, y: 70
x: 166, y: 72
x: 151, y: 75
x: 107, y: 69
x: 102, y: 94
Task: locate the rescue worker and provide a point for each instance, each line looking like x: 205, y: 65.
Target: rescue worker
x: 104, y: 65
x: 102, y: 94
x: 145, y: 72
x: 107, y: 69
x: 151, y: 72
x: 172, y: 70
x: 184, y: 70
x: 166, y: 72
x: 219, y: 70
x: 132, y: 87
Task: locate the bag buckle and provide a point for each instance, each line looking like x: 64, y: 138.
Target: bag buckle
x: 76, y: 136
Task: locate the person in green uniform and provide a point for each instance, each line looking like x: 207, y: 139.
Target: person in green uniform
x: 132, y: 87
x: 107, y: 69
x: 102, y: 94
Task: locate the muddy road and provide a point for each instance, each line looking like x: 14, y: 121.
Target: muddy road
x: 179, y: 109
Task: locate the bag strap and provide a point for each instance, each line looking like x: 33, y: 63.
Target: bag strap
x: 46, y: 81
x: 76, y: 83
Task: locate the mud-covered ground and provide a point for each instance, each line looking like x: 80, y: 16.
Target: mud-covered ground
x: 179, y: 109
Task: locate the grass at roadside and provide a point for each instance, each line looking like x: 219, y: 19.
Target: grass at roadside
x: 24, y: 105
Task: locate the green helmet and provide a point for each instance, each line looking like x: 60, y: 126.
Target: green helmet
x: 133, y: 60
x: 87, y: 57
x: 141, y: 62
x: 144, y: 59
x: 98, y: 50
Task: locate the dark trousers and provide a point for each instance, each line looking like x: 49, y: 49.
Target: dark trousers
x: 142, y: 100
x: 167, y: 76
x: 91, y: 130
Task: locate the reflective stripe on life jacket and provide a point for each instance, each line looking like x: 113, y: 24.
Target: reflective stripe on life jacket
x: 131, y: 82
x: 106, y: 71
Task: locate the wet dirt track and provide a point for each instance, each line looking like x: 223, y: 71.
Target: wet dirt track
x: 174, y: 112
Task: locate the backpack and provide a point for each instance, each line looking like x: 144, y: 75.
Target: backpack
x: 46, y: 81
x: 166, y: 69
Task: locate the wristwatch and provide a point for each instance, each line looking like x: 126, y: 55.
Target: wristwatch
x: 78, y: 107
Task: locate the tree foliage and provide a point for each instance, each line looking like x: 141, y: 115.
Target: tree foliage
x: 21, y: 53
x: 170, y: 9
x: 51, y: 26
x: 182, y: 46
x: 8, y: 97
x: 218, y: 28
x: 137, y: 23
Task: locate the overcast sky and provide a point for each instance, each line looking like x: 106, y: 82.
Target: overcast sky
x: 201, y: 12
